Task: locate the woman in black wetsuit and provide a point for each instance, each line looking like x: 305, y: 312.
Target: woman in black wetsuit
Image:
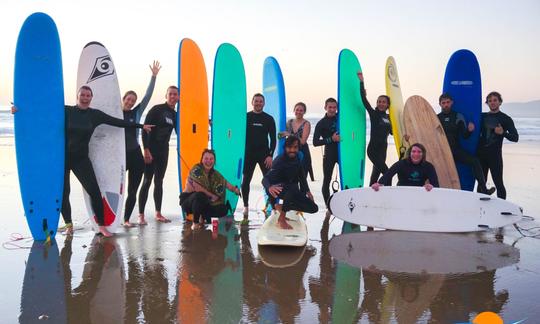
x: 380, y: 129
x: 301, y: 128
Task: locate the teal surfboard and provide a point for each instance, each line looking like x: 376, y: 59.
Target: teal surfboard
x: 274, y: 95
x: 39, y: 123
x: 351, y: 122
x: 229, y: 117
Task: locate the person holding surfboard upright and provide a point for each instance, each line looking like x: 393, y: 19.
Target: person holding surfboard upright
x: 453, y: 124
x: 156, y: 151
x: 260, y: 127
x: 495, y: 127
x: 380, y: 129
x: 134, y: 158
x: 204, y: 192
x: 414, y: 171
x: 326, y: 134
x: 301, y: 128
x: 286, y: 180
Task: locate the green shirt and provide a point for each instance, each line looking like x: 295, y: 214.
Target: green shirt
x: 213, y: 182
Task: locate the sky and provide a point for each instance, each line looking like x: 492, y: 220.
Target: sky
x: 305, y: 37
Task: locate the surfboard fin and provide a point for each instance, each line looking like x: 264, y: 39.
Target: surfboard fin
x: 483, y: 226
x: 485, y: 198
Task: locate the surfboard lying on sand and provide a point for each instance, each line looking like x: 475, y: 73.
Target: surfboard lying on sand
x: 107, y: 148
x: 271, y: 234
x: 416, y: 209
x: 415, y: 252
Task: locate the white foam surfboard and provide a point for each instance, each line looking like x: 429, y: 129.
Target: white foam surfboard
x: 107, y: 145
x: 415, y: 252
x: 415, y: 209
x: 271, y: 234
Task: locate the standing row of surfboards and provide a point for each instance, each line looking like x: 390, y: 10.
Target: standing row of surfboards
x: 40, y: 122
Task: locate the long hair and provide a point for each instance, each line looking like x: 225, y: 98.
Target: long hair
x: 421, y: 147
x: 209, y: 151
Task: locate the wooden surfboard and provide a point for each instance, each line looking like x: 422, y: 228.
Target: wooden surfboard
x: 423, y: 126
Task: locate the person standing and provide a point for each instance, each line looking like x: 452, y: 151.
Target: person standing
x: 495, y: 127
x: 156, y: 151
x: 301, y: 128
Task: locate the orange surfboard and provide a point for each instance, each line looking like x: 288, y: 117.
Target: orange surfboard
x: 423, y: 126
x: 192, y: 110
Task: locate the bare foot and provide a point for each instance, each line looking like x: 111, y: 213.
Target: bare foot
x: 282, y: 223
x: 69, y: 229
x: 162, y: 219
x: 128, y: 224
x: 196, y: 226
x: 103, y: 230
x: 246, y: 212
x: 142, y: 221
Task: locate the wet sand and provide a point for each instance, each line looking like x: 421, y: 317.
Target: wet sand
x: 164, y: 273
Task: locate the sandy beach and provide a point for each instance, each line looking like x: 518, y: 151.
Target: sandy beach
x: 164, y: 273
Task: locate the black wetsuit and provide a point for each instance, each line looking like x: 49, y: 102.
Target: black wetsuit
x: 157, y: 141
x: 134, y: 158
x: 490, y: 146
x: 324, y: 130
x: 453, y: 124
x: 378, y: 141
x: 410, y: 174
x: 304, y: 148
x: 290, y: 174
x: 80, y: 125
x: 260, y: 127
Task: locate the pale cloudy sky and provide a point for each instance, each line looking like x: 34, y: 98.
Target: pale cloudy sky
x: 305, y: 36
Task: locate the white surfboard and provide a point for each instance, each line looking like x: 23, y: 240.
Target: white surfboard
x: 107, y: 146
x: 415, y: 252
x: 271, y: 234
x: 415, y: 209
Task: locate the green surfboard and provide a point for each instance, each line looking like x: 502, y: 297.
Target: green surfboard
x: 351, y: 122
x: 229, y: 117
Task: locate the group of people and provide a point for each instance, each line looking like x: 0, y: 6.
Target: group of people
x: 285, y: 177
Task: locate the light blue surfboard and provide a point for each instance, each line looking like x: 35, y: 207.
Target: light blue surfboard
x: 274, y: 94
x: 462, y: 80
x: 229, y: 117
x: 39, y: 123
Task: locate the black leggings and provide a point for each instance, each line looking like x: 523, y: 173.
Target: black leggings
x: 377, y: 155
x: 249, y: 168
x: 294, y: 199
x: 473, y: 162
x: 135, y: 169
x: 198, y: 204
x: 328, y: 167
x: 83, y: 170
x: 155, y: 170
x: 494, y: 163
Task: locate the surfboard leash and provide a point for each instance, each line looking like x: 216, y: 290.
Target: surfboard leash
x: 16, y: 237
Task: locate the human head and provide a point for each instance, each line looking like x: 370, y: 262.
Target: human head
x: 291, y: 146
x: 416, y: 153
x: 129, y: 99
x: 494, y: 101
x: 446, y: 102
x: 208, y: 159
x: 257, y: 102
x: 172, y: 96
x: 84, y: 96
x: 383, y: 102
x: 330, y: 105
x: 299, y: 110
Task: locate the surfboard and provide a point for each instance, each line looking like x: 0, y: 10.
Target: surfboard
x: 274, y: 95
x: 107, y: 149
x: 280, y: 257
x: 416, y: 209
x: 39, y: 124
x: 43, y: 292
x: 393, y: 90
x: 423, y: 126
x: 192, y: 108
x: 351, y: 122
x: 462, y: 81
x: 271, y: 234
x: 422, y: 253
x: 229, y: 107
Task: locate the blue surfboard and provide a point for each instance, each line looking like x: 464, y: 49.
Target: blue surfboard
x: 39, y: 123
x: 274, y: 94
x: 462, y: 80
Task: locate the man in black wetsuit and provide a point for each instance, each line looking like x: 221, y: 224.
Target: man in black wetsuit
x: 495, y: 127
x: 326, y: 134
x: 260, y: 127
x: 453, y: 124
x: 156, y: 151
x: 283, y: 181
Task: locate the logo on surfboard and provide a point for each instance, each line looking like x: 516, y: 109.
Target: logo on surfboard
x: 102, y: 67
x: 351, y: 205
x: 391, y: 72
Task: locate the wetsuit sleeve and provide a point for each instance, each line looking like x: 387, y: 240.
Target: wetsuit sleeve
x: 462, y: 126
x: 151, y: 119
x: 386, y: 179
x: 272, y: 134
x: 103, y: 118
x: 364, y: 98
x: 304, y: 187
x: 317, y: 136
x: 145, y: 100
x: 432, y: 175
x: 510, y: 131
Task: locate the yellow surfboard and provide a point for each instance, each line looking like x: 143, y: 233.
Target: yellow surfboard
x: 192, y: 109
x: 393, y: 90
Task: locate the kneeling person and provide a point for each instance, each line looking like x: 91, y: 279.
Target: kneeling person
x: 204, y: 192
x: 286, y: 180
